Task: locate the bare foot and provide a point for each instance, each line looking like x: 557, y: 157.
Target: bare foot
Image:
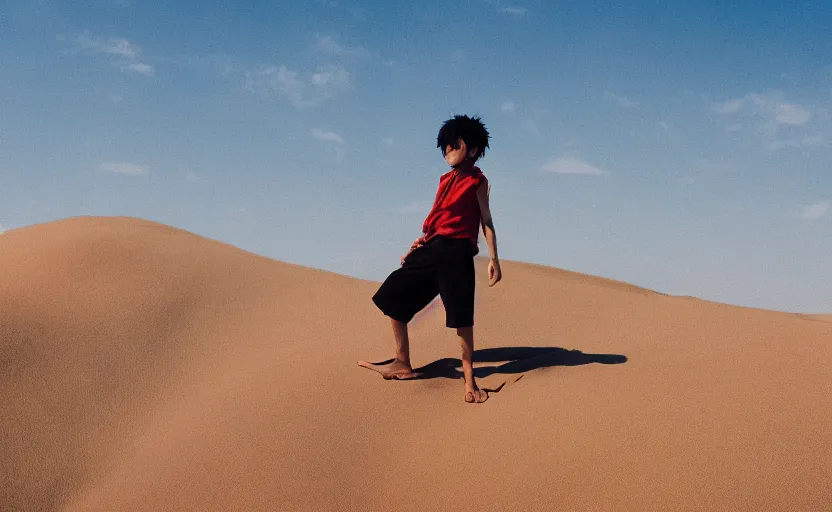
x: 474, y: 394
x: 391, y: 369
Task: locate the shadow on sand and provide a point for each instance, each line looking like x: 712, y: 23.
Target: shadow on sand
x: 517, y: 360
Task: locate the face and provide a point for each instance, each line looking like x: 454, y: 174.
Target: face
x: 455, y: 154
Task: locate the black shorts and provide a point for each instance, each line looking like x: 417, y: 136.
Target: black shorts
x: 444, y: 266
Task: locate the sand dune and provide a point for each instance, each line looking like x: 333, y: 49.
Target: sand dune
x: 146, y: 368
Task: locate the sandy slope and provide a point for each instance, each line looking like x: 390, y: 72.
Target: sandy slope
x: 146, y: 368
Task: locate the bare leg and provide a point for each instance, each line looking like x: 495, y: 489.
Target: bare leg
x: 402, y: 342
x: 472, y: 392
x: 400, y: 367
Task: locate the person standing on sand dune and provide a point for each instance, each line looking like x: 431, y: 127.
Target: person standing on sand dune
x: 441, y: 261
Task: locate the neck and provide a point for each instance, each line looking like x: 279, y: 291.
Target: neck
x: 466, y: 166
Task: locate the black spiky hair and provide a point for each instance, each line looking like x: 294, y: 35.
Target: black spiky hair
x: 471, y: 129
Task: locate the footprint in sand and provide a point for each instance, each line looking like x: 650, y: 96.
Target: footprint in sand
x: 516, y: 362
x: 391, y: 370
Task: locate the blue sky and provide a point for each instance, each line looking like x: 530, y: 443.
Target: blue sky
x: 685, y: 148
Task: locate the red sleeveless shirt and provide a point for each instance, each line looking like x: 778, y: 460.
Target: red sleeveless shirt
x: 456, y: 210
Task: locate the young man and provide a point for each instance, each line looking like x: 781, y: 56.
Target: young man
x: 442, y: 260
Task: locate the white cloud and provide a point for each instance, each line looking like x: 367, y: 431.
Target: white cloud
x: 771, y: 117
x: 730, y: 106
x: 328, y: 44
x: 564, y: 165
x: 113, y: 46
x: 387, y: 140
x: 123, y: 52
x: 331, y: 77
x: 620, y: 100
x: 507, y: 106
x: 141, y: 68
x: 321, y: 86
x: 285, y: 82
x: 767, y: 105
x: 516, y: 11
x: 771, y: 107
x: 333, y: 138
x: 791, y: 114
x: 814, y: 211
x: 809, y: 141
x: 124, y: 168
x: 328, y: 136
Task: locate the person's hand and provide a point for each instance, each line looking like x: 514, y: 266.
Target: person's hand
x: 415, y: 245
x: 494, y: 272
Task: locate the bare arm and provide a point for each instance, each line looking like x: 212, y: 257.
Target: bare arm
x: 487, y: 222
x: 494, y: 272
